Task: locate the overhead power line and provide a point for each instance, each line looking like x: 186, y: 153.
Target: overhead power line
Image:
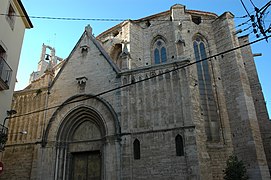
x: 257, y: 19
x: 252, y: 3
x: 245, y: 8
x: 96, y: 19
x: 68, y: 18
x: 244, y: 23
x: 139, y: 81
x: 116, y: 20
x: 240, y: 17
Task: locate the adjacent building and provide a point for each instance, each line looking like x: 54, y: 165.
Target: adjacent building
x: 14, y: 20
x: 143, y: 101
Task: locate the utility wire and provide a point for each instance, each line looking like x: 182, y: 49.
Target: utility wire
x: 244, y: 16
x: 252, y: 3
x: 239, y: 25
x: 257, y: 20
x: 116, y: 20
x: 247, y: 28
x: 139, y: 81
x: 240, y: 17
x: 245, y: 8
x: 113, y: 20
x: 90, y: 19
x: 265, y: 6
x: 66, y: 18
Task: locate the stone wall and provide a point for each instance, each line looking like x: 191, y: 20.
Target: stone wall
x: 25, y: 134
x: 19, y: 162
x: 258, y: 98
x: 245, y: 131
x: 25, y: 102
x: 155, y: 111
x: 158, y: 156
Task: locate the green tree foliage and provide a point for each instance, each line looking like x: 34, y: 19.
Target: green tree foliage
x: 235, y: 169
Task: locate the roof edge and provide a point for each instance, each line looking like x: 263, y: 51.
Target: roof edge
x: 23, y: 13
x: 100, y: 48
x: 154, y: 16
x: 201, y: 12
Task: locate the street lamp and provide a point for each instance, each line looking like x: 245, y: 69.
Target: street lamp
x: 4, y: 130
x: 23, y: 132
x: 9, y: 114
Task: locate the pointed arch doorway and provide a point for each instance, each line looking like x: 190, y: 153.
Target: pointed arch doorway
x: 81, y: 146
x: 77, y: 130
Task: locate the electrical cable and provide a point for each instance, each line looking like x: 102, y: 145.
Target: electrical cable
x: 151, y: 77
x: 88, y: 19
x: 245, y: 8
x: 66, y: 18
x: 239, y: 25
x: 247, y: 28
x: 265, y: 6
x: 257, y: 20
x: 245, y: 16
x: 115, y: 20
x: 252, y: 3
x: 240, y: 17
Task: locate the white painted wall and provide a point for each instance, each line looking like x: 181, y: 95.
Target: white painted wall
x: 12, y: 40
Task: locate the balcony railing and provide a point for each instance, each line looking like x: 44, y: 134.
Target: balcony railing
x: 5, y: 74
x: 3, y: 137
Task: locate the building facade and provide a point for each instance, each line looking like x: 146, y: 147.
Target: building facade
x: 14, y: 20
x: 143, y: 101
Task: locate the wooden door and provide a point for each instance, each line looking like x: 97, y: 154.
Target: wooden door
x: 86, y: 166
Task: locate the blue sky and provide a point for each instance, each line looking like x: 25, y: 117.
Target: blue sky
x: 63, y: 35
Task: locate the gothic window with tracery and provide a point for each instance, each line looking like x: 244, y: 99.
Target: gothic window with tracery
x: 206, y: 91
x: 160, y: 52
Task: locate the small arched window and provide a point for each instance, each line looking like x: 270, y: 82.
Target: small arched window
x: 179, y: 145
x: 136, y: 145
x: 159, y: 51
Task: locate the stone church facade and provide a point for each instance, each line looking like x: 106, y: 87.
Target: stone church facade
x: 140, y: 101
